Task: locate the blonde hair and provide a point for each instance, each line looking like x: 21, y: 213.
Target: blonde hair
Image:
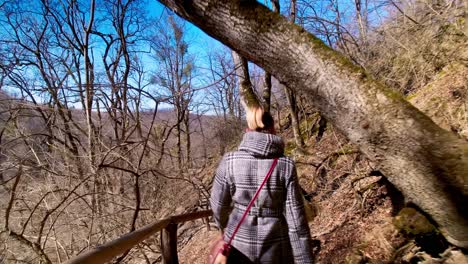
x: 254, y: 117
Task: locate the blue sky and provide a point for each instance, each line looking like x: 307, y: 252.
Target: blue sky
x: 200, y: 44
x: 199, y: 40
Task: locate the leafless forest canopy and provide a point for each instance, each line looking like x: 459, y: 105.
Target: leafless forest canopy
x: 111, y: 117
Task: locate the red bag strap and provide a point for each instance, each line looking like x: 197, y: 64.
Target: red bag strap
x: 275, y: 161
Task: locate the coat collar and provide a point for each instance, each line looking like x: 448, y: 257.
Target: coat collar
x: 262, y: 144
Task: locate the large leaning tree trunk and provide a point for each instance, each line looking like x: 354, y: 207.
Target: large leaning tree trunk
x: 428, y: 164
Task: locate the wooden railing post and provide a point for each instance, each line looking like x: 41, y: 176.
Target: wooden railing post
x: 169, y: 244
x: 168, y: 227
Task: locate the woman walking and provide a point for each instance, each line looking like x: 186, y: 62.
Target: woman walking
x: 275, y: 229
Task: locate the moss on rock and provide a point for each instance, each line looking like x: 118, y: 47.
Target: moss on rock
x: 410, y: 221
x: 289, y: 147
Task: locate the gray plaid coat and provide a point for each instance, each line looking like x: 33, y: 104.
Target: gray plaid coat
x: 276, y: 229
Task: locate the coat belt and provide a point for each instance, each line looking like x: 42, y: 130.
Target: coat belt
x: 260, y: 212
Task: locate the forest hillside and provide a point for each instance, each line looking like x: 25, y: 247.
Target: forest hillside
x: 113, y: 116
x: 359, y: 217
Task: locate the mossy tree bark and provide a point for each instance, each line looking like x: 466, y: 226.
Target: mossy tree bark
x: 428, y: 164
x: 267, y: 92
x: 249, y: 99
x: 245, y: 85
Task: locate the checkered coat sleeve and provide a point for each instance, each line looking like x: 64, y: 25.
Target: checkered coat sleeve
x: 276, y: 229
x: 221, y: 196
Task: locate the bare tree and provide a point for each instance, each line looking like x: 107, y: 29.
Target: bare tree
x: 362, y: 20
x: 82, y: 173
x: 224, y: 98
x: 224, y: 95
x: 175, y: 76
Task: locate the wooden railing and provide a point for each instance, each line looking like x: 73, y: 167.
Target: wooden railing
x: 114, y: 248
